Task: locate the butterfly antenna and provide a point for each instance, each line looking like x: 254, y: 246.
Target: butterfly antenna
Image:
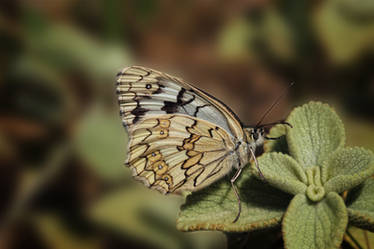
x: 276, y: 101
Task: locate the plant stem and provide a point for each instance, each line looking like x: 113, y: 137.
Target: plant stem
x: 354, y: 240
x: 366, y: 239
x: 52, y: 167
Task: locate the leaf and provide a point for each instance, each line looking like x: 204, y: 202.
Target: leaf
x: 141, y: 214
x: 55, y: 103
x: 215, y: 207
x: 360, y: 203
x: 358, y: 12
x: 319, y: 225
x: 282, y: 172
x: 99, y: 60
x: 344, y: 39
x: 317, y: 132
x: 56, y: 234
x: 101, y: 141
x: 234, y: 40
x: 347, y: 168
x: 315, y: 191
x: 279, y: 145
x: 277, y: 35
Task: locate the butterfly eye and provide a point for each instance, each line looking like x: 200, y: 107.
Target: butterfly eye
x: 148, y: 86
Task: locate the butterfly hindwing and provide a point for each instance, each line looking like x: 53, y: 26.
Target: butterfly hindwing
x: 175, y: 152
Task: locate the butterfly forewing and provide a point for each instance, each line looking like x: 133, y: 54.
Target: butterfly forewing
x: 143, y: 91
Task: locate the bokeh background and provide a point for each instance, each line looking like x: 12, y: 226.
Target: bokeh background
x: 62, y: 146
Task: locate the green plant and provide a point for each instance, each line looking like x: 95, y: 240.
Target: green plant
x: 307, y: 173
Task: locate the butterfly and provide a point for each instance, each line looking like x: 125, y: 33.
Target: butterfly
x: 180, y: 137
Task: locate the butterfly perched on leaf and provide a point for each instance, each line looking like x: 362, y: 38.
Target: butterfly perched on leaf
x: 181, y: 138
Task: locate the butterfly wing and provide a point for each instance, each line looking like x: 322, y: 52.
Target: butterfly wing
x: 175, y: 152
x: 181, y: 138
x: 143, y: 91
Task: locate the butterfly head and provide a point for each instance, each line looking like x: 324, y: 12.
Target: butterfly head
x: 255, y: 136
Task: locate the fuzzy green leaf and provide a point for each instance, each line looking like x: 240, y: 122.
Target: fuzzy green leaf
x: 215, y: 207
x: 282, y: 172
x: 279, y: 145
x: 317, y: 132
x: 315, y: 191
x: 347, y: 168
x: 319, y: 225
x: 360, y: 203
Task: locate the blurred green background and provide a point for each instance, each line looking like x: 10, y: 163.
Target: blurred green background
x: 62, y: 146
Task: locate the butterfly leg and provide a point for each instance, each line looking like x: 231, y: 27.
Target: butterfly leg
x: 233, y: 179
x: 256, y: 163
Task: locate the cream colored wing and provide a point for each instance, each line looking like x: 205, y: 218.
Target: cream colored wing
x: 174, y: 152
x: 143, y: 92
